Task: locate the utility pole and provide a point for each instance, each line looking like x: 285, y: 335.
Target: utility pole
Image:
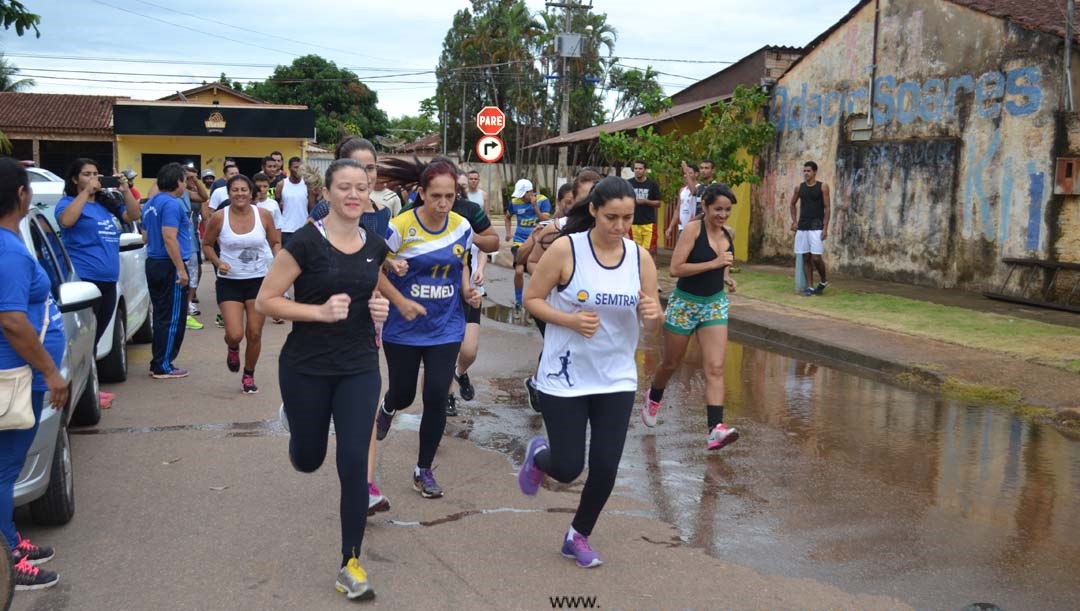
x: 564, y: 111
x: 461, y: 147
x: 1070, y: 8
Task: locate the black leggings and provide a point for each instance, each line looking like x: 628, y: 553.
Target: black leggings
x: 403, y: 365
x: 565, y: 418
x: 310, y: 401
x: 103, y: 311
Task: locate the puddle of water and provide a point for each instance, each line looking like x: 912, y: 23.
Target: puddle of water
x: 259, y: 428
x: 843, y: 479
x: 507, y: 314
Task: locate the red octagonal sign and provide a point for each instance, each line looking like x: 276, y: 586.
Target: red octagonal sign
x: 490, y: 120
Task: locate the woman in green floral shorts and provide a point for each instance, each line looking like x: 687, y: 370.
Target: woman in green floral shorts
x: 699, y: 306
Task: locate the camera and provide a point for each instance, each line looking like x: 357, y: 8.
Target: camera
x: 109, y: 182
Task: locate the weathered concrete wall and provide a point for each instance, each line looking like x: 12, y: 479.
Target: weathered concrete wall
x: 959, y: 169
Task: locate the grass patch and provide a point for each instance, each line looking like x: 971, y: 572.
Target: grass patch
x: 1053, y: 345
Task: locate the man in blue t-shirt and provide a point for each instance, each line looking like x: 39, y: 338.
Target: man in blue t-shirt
x: 168, y: 247
x: 530, y: 208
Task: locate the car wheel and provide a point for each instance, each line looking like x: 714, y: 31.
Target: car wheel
x: 88, y: 409
x: 113, y: 368
x: 57, y: 506
x: 145, y: 334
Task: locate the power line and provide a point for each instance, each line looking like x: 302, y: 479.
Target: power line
x: 179, y: 63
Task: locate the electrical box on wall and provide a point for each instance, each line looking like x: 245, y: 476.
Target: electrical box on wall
x: 1067, y: 176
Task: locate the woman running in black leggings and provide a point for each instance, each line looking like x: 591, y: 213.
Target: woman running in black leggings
x: 591, y: 286
x: 329, y: 366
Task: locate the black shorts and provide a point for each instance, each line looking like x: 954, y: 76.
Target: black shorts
x: 238, y: 290
x: 513, y: 254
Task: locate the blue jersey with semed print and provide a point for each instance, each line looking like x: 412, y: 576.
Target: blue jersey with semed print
x: 526, y: 216
x: 435, y: 256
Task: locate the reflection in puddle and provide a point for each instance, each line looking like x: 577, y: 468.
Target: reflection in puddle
x: 507, y: 314
x: 871, y: 487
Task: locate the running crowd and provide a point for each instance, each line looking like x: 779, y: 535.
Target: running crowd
x: 357, y: 267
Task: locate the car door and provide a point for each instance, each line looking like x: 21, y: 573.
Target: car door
x: 132, y: 283
x: 79, y: 326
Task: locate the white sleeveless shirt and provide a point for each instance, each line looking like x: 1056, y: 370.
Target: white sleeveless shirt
x: 247, y: 254
x: 573, y: 366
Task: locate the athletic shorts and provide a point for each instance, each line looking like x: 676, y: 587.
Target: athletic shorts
x: 513, y: 254
x: 687, y: 313
x: 809, y: 241
x: 472, y: 315
x: 643, y: 235
x: 238, y: 290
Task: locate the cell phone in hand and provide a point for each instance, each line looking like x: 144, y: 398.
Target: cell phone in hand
x: 109, y: 182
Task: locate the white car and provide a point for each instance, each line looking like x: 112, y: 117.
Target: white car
x: 46, y: 482
x: 130, y: 321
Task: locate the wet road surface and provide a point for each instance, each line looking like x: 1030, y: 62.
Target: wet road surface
x: 839, y: 478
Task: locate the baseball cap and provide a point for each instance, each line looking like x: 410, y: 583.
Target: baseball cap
x: 522, y: 187
x: 207, y: 173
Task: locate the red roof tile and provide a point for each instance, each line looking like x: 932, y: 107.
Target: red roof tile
x: 56, y: 112
x: 1041, y: 15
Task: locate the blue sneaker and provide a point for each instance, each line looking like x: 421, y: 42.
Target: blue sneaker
x: 809, y: 292
x: 820, y: 288
x: 530, y: 476
x: 578, y: 548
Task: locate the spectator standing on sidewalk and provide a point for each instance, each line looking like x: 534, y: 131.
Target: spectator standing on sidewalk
x: 475, y: 193
x: 168, y: 247
x: 26, y: 306
x: 647, y: 192
x: 293, y: 196
x: 810, y: 207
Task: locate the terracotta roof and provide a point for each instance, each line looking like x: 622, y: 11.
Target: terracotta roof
x: 642, y: 120
x: 181, y: 96
x: 430, y: 142
x: 1041, y: 15
x: 56, y: 113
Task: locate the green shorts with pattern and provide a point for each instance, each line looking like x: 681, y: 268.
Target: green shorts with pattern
x: 687, y: 313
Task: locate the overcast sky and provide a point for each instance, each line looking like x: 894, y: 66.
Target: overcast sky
x: 178, y: 45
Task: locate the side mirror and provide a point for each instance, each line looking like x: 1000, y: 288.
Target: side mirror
x: 75, y: 296
x: 131, y: 241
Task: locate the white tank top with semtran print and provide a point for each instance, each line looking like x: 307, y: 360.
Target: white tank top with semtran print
x: 573, y: 366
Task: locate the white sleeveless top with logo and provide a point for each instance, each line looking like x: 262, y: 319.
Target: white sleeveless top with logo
x: 573, y: 366
x: 247, y: 254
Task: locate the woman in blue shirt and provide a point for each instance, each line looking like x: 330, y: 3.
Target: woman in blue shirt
x: 25, y: 303
x: 88, y: 216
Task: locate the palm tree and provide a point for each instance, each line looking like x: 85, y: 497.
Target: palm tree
x: 8, y: 82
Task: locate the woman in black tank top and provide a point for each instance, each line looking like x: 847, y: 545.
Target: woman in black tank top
x: 698, y: 307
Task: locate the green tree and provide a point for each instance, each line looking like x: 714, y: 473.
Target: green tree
x: 342, y: 104
x: 13, y: 13
x: 637, y: 92
x: 727, y: 129
x: 8, y: 80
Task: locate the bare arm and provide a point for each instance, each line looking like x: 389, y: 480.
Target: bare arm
x: 271, y: 300
x: 828, y: 209
x: 132, y: 212
x: 506, y: 220
x: 649, y: 304
x: 487, y: 240
x: 794, y: 210
x: 22, y: 338
x: 210, y: 237
x: 74, y: 209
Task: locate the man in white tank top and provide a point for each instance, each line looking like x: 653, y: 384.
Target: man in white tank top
x: 293, y: 197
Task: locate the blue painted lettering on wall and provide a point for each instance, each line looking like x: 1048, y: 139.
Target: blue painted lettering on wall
x: 1017, y: 92
x: 1035, y: 212
x: 973, y: 182
x: 1007, y: 182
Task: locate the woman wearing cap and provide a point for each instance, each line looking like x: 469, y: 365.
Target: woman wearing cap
x: 530, y: 208
x: 89, y: 229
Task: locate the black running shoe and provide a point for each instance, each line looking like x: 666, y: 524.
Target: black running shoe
x: 534, y: 395
x: 34, y: 554
x: 382, y: 422
x: 451, y: 405
x: 30, y: 577
x: 465, y: 387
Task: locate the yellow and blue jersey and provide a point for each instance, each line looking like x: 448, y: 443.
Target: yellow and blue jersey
x: 527, y: 217
x: 436, y: 258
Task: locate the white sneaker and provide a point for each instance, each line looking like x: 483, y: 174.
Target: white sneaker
x: 722, y: 435
x: 649, y: 411
x: 193, y: 309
